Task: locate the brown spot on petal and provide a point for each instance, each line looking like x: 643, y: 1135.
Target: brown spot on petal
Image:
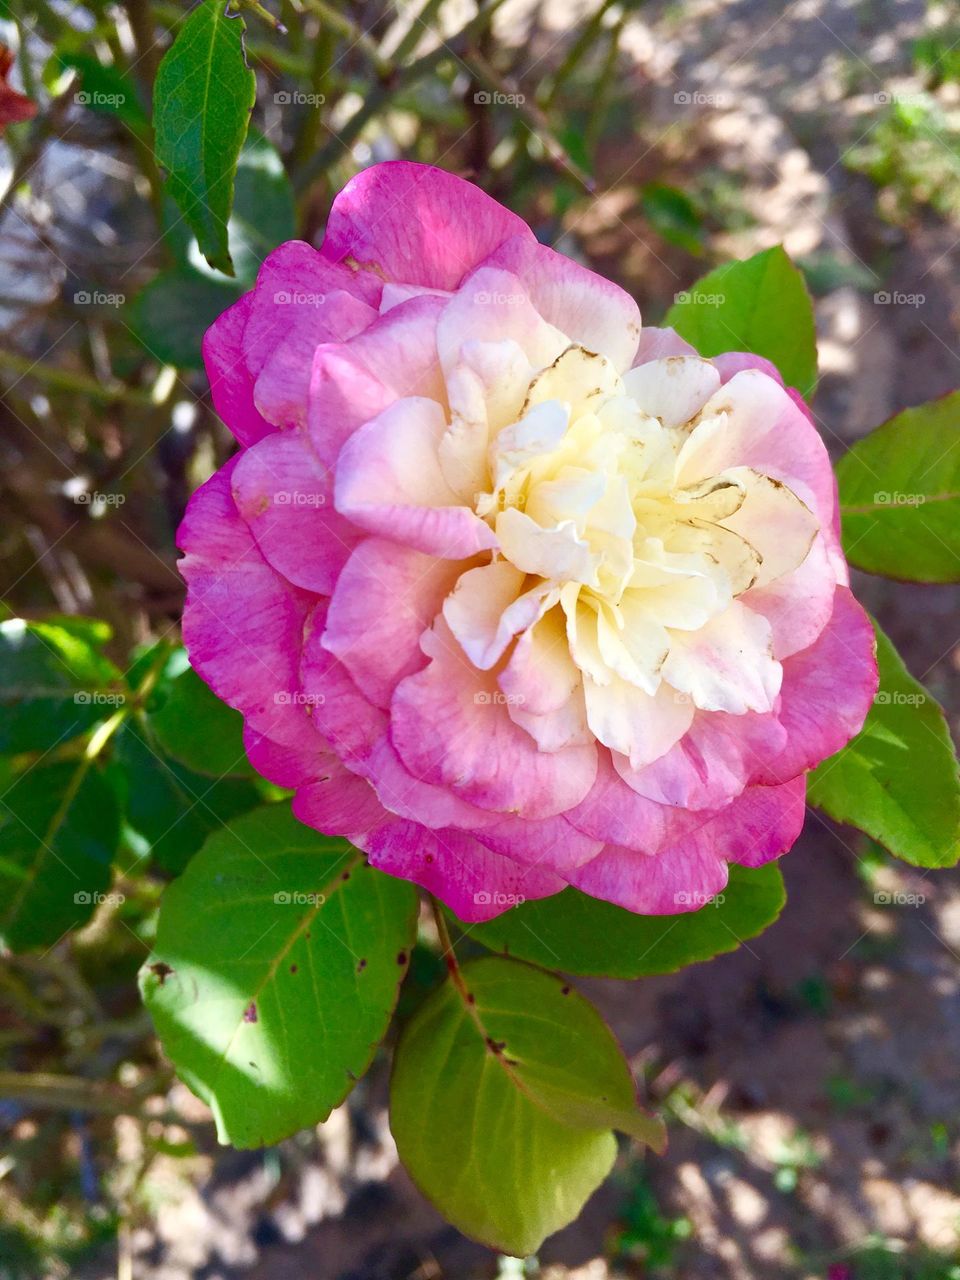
x: 161, y: 971
x: 250, y: 1013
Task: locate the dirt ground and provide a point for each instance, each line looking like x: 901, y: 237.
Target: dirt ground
x: 811, y: 1078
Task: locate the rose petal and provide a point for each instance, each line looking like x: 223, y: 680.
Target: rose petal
x: 416, y: 224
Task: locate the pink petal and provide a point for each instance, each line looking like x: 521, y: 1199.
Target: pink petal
x: 719, y: 756
x: 475, y: 883
x: 386, y: 597
x: 339, y: 711
x: 450, y: 727
x: 662, y: 884
x: 283, y: 764
x: 656, y: 344
x: 242, y: 623
x: 494, y: 306
x: 286, y: 498
x: 352, y: 382
x: 389, y: 482
x: 591, y: 311
x: 231, y: 384
x: 798, y: 605
x: 733, y: 362
x: 340, y: 804
x: 827, y: 691
x: 416, y: 224
x: 293, y: 286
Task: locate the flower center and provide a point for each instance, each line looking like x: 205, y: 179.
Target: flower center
x: 587, y: 501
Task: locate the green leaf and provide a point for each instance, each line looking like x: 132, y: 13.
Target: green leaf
x: 263, y: 215
x: 900, y: 495
x: 170, y: 806
x: 59, y: 828
x: 54, y: 683
x: 759, y: 305
x: 897, y: 780
x: 203, y: 96
x: 578, y: 934
x: 170, y: 316
x: 278, y: 960
x: 193, y: 726
x: 506, y: 1087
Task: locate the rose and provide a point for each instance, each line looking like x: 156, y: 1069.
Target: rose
x: 570, y: 605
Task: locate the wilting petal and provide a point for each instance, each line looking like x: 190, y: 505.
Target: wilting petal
x: 673, y: 389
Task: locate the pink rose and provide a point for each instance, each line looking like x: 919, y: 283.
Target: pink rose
x: 513, y: 595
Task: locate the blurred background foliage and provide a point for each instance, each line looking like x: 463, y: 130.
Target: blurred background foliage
x: 650, y: 141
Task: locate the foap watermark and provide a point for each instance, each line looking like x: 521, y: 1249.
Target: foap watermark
x: 97, y: 298
x: 893, y: 498
x: 496, y: 698
x: 298, y: 498
x: 98, y: 698
x: 684, y: 297
x: 488, y: 898
x: 297, y: 898
x: 897, y: 698
x: 484, y: 299
x: 298, y: 298
x: 896, y: 298
x: 494, y: 98
x: 297, y: 698
x: 693, y: 898
x: 95, y: 99
x: 95, y: 498
x: 296, y: 98
x: 897, y: 898
x: 84, y: 898
x: 888, y: 98
x: 698, y: 98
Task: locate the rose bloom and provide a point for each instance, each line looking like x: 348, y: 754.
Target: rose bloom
x: 513, y: 594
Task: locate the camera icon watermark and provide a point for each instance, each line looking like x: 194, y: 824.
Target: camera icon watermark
x: 97, y: 298
x: 685, y: 297
x: 489, y: 898
x: 498, y: 699
x: 694, y: 898
x: 93, y: 98
x: 895, y: 298
x: 298, y: 298
x: 297, y: 898
x: 697, y: 98
x: 297, y: 98
x: 896, y: 898
x: 494, y: 98
x: 98, y: 698
x: 297, y: 698
x: 298, y: 498
x: 83, y: 898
